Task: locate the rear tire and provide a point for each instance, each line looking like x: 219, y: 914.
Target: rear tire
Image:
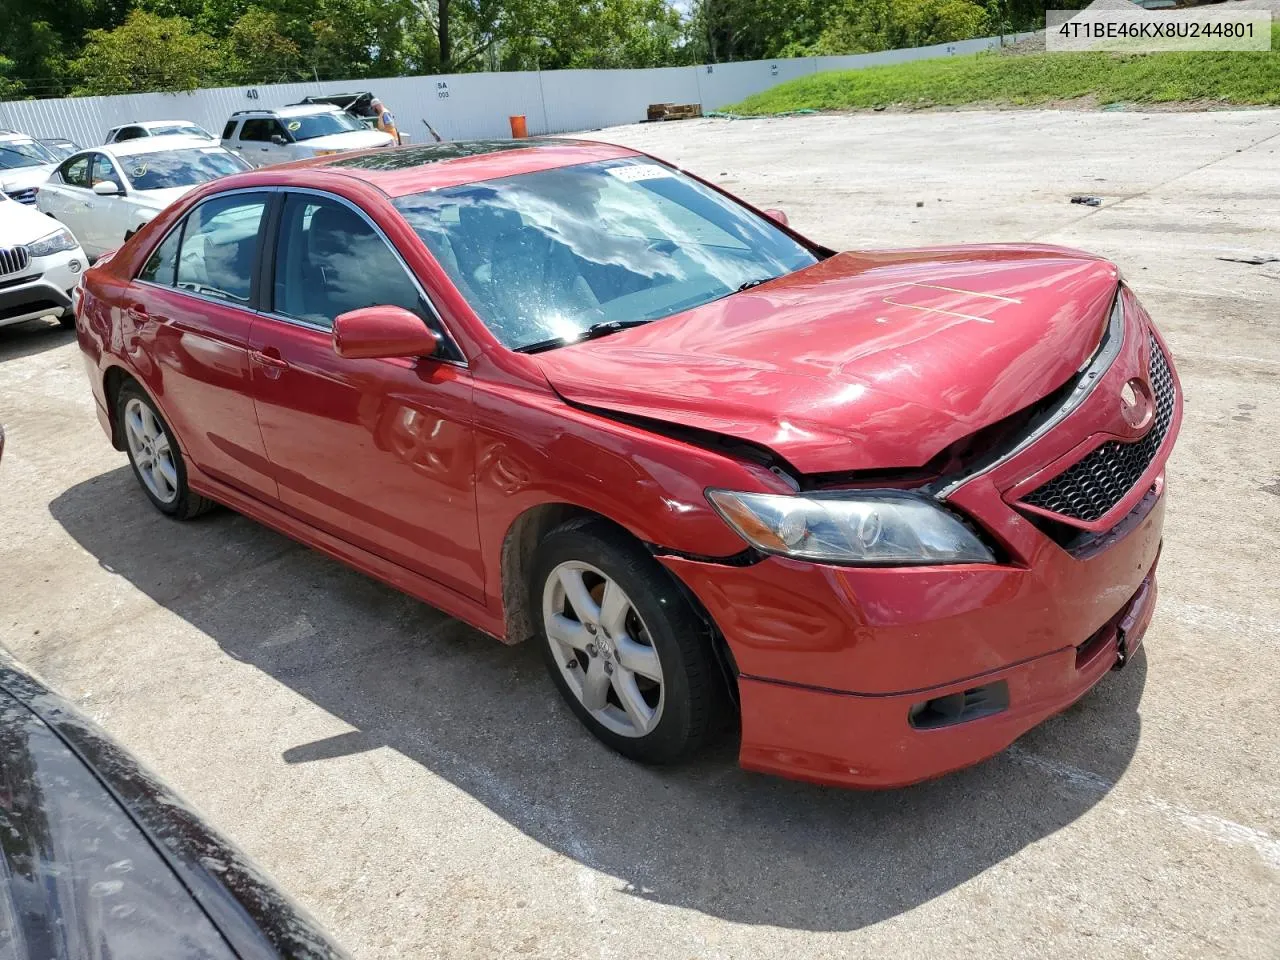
x: 626, y: 650
x: 157, y: 461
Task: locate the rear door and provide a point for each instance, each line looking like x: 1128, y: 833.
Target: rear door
x: 191, y: 309
x: 380, y: 453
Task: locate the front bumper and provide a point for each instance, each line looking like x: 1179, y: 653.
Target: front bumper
x: 841, y: 699
x: 43, y: 291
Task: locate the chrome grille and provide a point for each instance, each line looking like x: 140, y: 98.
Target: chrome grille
x: 27, y: 196
x: 14, y: 260
x: 1088, y: 489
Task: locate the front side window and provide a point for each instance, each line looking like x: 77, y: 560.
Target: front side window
x: 15, y: 154
x: 330, y: 261
x: 101, y: 170
x: 75, y: 172
x: 308, y: 127
x: 543, y: 257
x: 180, y: 168
x: 220, y: 247
x: 261, y: 129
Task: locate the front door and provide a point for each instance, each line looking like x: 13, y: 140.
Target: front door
x: 257, y: 144
x: 380, y: 453
x: 191, y: 308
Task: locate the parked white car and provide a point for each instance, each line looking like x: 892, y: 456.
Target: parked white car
x: 40, y: 265
x: 264, y: 137
x: 106, y: 194
x: 25, y: 164
x: 157, y: 128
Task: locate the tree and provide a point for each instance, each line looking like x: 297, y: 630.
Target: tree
x: 867, y: 25
x: 260, y: 53
x: 147, y: 52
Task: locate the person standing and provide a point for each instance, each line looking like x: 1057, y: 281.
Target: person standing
x: 386, y: 121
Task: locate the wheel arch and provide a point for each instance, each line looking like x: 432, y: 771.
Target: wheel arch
x: 527, y: 530
x: 113, y: 380
x: 521, y: 543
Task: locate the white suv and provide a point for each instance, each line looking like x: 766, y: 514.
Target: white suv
x: 25, y: 163
x: 264, y: 137
x: 40, y: 265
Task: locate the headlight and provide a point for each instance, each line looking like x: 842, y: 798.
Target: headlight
x: 873, y: 528
x: 57, y: 242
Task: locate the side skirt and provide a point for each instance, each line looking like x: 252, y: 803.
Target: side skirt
x: 417, y: 586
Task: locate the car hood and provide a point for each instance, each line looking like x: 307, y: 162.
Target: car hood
x: 354, y: 140
x: 24, y: 178
x: 22, y: 224
x: 864, y: 361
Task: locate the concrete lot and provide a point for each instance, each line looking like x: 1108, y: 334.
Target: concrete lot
x: 424, y: 793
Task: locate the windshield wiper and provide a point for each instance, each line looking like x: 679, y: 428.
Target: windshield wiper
x: 755, y: 283
x: 602, y: 329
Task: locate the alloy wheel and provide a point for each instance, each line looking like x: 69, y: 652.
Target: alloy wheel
x: 603, y: 648
x: 150, y: 451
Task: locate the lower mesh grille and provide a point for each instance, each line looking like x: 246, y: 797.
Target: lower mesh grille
x: 1087, y: 490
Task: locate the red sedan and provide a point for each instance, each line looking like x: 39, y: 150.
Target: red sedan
x: 887, y: 509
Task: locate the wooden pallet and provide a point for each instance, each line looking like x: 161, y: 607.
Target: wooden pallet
x: 674, y: 111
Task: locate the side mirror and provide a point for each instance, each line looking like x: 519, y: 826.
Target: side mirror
x: 278, y: 140
x: 107, y: 188
x: 773, y: 213
x: 378, y: 332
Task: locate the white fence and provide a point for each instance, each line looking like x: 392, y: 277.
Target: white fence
x: 468, y: 105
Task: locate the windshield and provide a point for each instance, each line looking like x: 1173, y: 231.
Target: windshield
x: 183, y: 129
x: 179, y: 168
x: 308, y: 127
x: 546, y: 256
x: 24, y: 153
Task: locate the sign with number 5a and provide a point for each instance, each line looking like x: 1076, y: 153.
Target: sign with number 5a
x: 442, y: 89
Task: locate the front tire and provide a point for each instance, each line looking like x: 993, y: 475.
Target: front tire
x: 155, y: 456
x: 623, y: 645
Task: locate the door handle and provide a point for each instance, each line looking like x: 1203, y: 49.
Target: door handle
x: 138, y: 313
x: 271, y: 362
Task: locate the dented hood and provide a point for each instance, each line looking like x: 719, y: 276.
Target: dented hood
x: 865, y: 361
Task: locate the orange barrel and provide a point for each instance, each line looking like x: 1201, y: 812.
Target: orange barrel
x: 519, y: 130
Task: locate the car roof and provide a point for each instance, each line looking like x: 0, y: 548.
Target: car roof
x: 406, y: 170
x: 13, y: 135
x: 301, y: 110
x: 175, y: 141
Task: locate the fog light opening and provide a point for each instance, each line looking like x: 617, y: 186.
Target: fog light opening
x: 960, y: 707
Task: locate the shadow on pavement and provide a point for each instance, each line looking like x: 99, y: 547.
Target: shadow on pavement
x: 707, y: 836
x: 33, y: 336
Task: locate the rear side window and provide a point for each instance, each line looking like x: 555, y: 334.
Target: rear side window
x: 220, y: 247
x: 130, y: 133
x: 76, y: 171
x: 161, y: 266
x: 229, y: 130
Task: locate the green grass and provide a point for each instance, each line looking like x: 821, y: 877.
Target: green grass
x: 1235, y: 78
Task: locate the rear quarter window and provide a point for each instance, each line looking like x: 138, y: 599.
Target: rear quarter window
x: 229, y: 131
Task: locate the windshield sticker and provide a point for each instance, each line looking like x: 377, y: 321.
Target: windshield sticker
x: 139, y: 171
x: 639, y: 171
x: 295, y: 126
